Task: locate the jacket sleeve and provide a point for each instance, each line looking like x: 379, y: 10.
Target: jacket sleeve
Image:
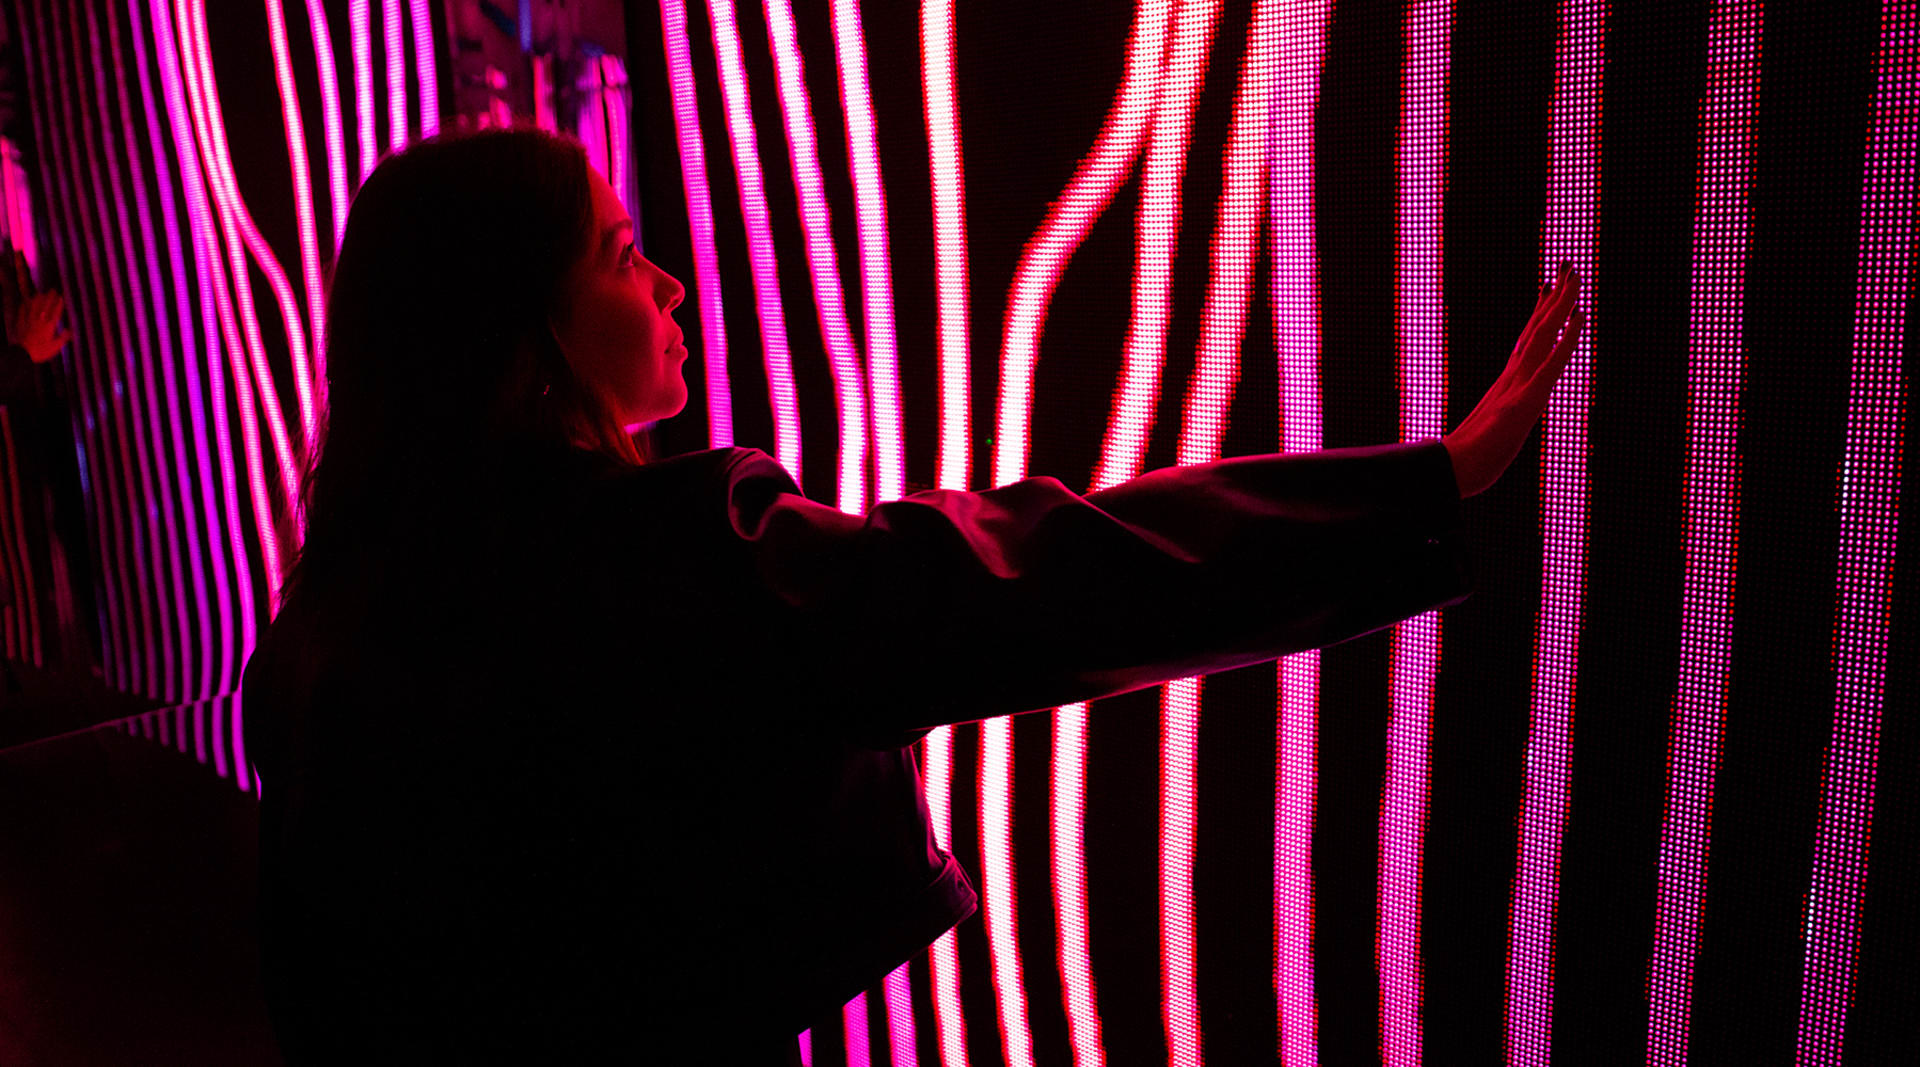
x: 946, y: 607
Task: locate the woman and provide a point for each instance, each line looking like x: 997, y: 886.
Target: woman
x: 570, y: 756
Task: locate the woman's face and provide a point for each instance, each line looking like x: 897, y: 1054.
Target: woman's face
x: 616, y: 326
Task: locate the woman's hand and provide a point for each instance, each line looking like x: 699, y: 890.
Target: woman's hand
x: 1489, y: 439
x: 32, y: 318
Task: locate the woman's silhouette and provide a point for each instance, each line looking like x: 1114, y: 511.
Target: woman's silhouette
x: 568, y: 755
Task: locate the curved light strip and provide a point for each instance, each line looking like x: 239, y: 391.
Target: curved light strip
x: 760, y: 254
x: 900, y: 1039
x: 949, y: 1017
x: 330, y: 119
x: 947, y: 172
x: 1414, y: 645
x: 360, y: 41
x: 876, y: 269
x: 1722, y: 228
x: 1573, y: 182
x: 426, y: 78
x: 853, y: 1019
x: 94, y: 393
x: 1069, y: 218
x: 195, y: 406
x: 997, y: 887
x: 1296, y: 344
x: 1869, y: 506
x: 296, y: 136
x: 823, y: 267
x: 150, y: 445
x: 394, y: 47
x: 693, y: 178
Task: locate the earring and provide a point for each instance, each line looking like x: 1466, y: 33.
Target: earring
x: 545, y: 389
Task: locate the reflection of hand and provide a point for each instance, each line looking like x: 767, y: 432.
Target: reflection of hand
x: 1490, y: 438
x: 32, y: 318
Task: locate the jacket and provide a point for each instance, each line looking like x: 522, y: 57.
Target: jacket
x: 633, y: 748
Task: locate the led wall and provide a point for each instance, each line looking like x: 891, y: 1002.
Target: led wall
x: 1651, y: 795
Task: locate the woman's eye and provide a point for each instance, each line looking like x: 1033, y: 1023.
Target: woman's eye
x: 629, y: 256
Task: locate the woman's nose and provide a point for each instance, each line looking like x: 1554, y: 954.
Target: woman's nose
x: 675, y: 292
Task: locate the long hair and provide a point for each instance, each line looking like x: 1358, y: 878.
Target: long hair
x: 439, y: 358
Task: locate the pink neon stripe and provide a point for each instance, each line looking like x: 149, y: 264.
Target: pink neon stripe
x: 1721, y: 228
x: 336, y: 139
x: 998, y: 889
x: 167, y: 569
x: 185, y: 518
x: 853, y: 1017
x: 1414, y: 654
x: 95, y: 399
x: 1869, y: 493
x: 1045, y: 258
x: 426, y: 77
x: 1296, y: 337
x: 949, y: 1014
x: 876, y: 272
x: 212, y: 315
x: 816, y: 227
x: 1068, y: 855
x: 900, y: 1039
x: 1156, y: 236
x: 360, y: 41
x: 693, y: 178
x: 947, y: 171
x: 1573, y: 179
x: 760, y: 253
x: 394, y: 47
x: 296, y: 137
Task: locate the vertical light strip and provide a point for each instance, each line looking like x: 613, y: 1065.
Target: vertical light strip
x: 1414, y: 649
x: 900, y: 1037
x: 393, y: 46
x: 693, y: 178
x: 876, y: 269
x: 96, y: 401
x: 136, y: 359
x: 997, y: 887
x: 823, y: 267
x: 760, y: 253
x: 1067, y: 811
x: 1296, y: 342
x: 179, y: 518
x: 296, y: 135
x: 1722, y: 225
x: 1869, y: 504
x: 330, y: 119
x: 1156, y: 238
x: 853, y: 1018
x: 947, y: 182
x: 1573, y: 193
x: 360, y: 41
x: 426, y: 76
x: 946, y: 168
x: 1071, y: 215
x: 158, y: 507
x: 215, y: 316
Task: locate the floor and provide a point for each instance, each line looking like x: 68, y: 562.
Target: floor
x: 126, y: 908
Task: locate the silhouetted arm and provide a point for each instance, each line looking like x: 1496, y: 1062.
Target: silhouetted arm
x: 948, y: 607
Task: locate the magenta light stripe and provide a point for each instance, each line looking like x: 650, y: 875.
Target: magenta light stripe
x: 296, y: 137
x: 1414, y: 654
x: 816, y: 227
x: 947, y: 173
x: 760, y: 252
x: 394, y: 47
x: 1296, y: 336
x: 1067, y: 222
x: 202, y: 212
x: 19, y: 208
x: 168, y: 594
x: 997, y: 888
x: 214, y: 315
x: 693, y: 178
x: 1573, y: 187
x: 330, y: 119
x: 94, y: 393
x: 853, y: 1017
x: 1067, y: 805
x: 1156, y: 237
x: 426, y: 77
x: 1869, y: 504
x: 876, y: 271
x: 360, y: 42
x: 184, y: 519
x: 900, y: 1035
x: 1722, y: 225
x: 949, y: 1012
